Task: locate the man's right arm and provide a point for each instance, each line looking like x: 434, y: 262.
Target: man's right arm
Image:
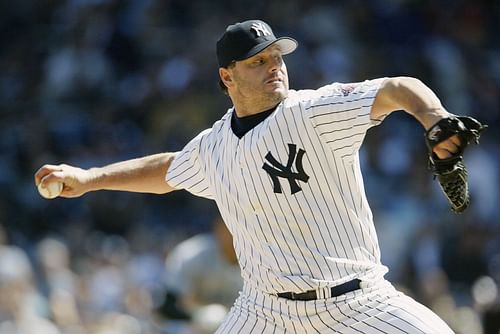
x: 144, y: 175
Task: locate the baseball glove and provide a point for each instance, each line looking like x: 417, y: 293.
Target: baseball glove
x: 451, y: 172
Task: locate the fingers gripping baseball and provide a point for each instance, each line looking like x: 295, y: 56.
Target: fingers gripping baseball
x: 75, y: 181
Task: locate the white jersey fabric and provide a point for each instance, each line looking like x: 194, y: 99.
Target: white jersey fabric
x: 291, y: 191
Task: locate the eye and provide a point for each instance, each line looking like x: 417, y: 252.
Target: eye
x: 258, y: 62
x: 278, y: 58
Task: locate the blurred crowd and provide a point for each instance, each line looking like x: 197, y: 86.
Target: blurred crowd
x: 90, y: 82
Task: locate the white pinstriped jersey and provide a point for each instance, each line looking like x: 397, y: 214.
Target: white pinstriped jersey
x: 291, y: 190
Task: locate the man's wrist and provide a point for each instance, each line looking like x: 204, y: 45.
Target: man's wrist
x: 93, y: 178
x: 429, y: 118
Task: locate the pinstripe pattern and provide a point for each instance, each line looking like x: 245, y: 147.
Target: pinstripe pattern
x: 373, y: 310
x: 315, y: 237
x: 318, y: 237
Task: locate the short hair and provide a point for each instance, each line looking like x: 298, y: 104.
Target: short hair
x: 222, y: 86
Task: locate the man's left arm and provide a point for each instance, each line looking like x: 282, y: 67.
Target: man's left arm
x: 414, y: 97
x: 446, y: 135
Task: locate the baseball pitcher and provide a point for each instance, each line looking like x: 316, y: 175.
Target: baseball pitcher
x: 283, y: 167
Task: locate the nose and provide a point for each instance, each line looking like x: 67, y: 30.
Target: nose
x: 275, y: 63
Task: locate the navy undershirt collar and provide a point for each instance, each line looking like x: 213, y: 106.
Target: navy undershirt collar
x: 241, y: 125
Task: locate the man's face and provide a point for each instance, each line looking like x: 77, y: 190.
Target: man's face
x: 262, y: 77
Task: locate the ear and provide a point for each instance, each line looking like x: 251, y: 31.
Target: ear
x: 226, y: 76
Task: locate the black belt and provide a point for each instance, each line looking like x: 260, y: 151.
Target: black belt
x: 311, y: 294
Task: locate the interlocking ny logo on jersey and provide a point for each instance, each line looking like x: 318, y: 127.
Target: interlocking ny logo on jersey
x: 260, y: 29
x: 276, y: 169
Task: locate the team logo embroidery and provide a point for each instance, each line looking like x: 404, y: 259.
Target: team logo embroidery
x: 276, y: 170
x: 260, y: 29
x: 346, y: 89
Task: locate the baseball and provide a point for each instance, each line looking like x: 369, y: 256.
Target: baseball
x: 52, y: 190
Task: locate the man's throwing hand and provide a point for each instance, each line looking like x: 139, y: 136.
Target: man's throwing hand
x: 76, y: 181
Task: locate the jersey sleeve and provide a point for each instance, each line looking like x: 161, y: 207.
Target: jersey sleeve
x: 340, y: 113
x: 188, y: 169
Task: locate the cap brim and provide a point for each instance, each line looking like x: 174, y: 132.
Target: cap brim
x: 286, y: 44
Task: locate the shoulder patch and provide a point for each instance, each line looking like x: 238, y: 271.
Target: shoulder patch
x: 346, y: 89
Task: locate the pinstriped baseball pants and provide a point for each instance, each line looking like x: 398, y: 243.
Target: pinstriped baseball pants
x: 372, y: 310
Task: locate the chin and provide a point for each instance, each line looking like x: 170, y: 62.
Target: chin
x: 276, y: 97
x: 280, y: 91
x: 281, y: 94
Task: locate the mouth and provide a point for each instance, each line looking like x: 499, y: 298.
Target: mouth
x: 274, y: 80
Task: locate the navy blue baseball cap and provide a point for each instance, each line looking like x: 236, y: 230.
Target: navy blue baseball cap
x: 243, y: 40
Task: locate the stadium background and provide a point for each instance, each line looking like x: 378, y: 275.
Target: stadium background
x: 90, y: 82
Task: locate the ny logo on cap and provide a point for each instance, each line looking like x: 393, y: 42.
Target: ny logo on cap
x: 260, y: 29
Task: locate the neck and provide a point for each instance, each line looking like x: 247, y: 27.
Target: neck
x: 243, y: 110
x: 248, y: 107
